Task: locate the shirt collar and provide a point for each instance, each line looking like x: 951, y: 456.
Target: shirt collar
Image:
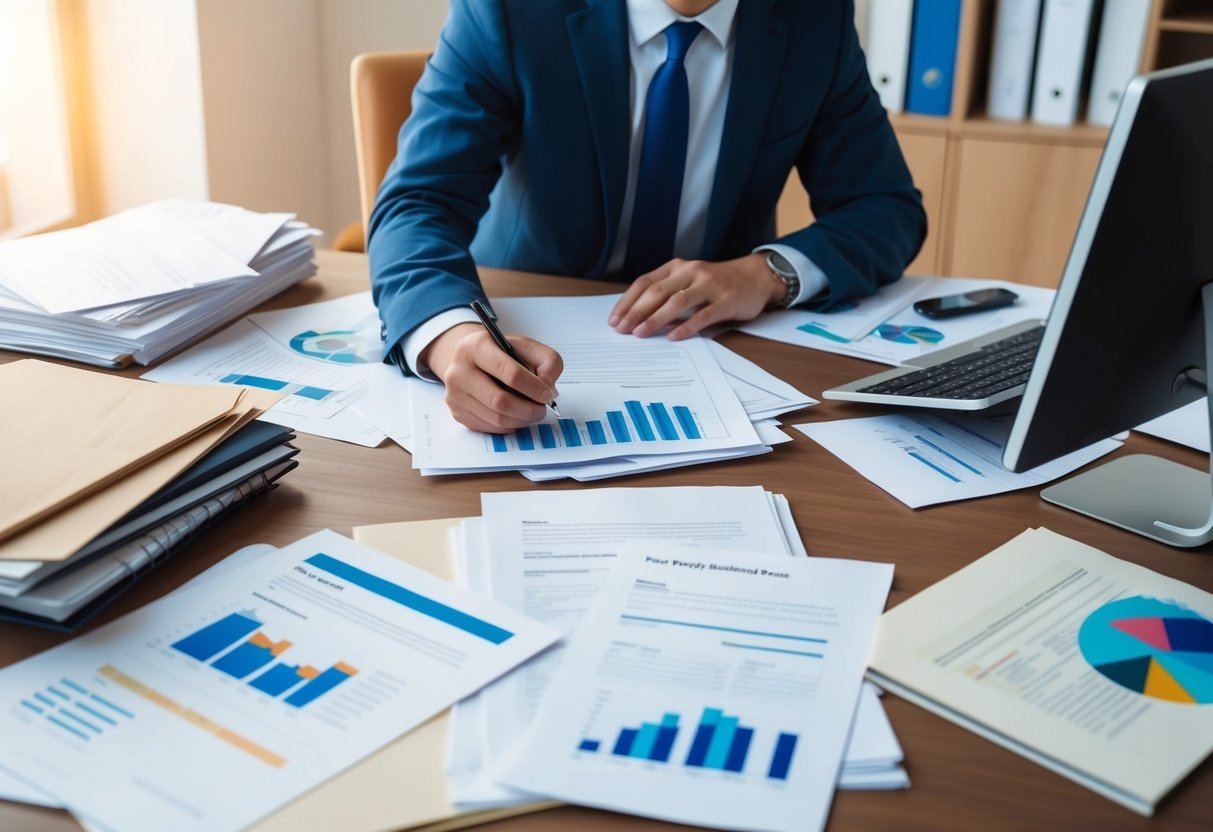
x: 649, y: 18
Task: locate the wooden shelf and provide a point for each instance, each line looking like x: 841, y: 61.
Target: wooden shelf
x: 1082, y: 135
x: 1200, y: 23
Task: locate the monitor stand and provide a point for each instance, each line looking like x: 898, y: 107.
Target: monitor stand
x: 1155, y: 497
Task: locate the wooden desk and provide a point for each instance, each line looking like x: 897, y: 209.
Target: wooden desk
x: 960, y: 781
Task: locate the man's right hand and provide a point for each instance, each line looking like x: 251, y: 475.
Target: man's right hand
x: 473, y: 368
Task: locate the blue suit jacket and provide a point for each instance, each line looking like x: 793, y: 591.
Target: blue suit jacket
x: 515, y: 155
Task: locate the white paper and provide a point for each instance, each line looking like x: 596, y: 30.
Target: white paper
x: 1188, y: 425
x: 923, y: 459
x: 114, y: 260
x: 679, y: 397
x: 548, y: 553
x: 138, y: 726
x: 752, y: 667
x: 762, y: 394
x: 841, y: 323
x: 15, y: 789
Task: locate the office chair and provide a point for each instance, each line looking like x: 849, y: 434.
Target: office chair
x: 381, y: 92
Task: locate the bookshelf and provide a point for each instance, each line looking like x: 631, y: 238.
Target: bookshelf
x: 1003, y: 199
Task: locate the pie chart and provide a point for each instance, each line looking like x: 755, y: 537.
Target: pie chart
x: 1157, y: 648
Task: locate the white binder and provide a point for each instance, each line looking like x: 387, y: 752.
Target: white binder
x: 1011, y: 65
x: 1118, y: 56
x: 863, y: 10
x: 889, y: 50
x: 1064, y: 27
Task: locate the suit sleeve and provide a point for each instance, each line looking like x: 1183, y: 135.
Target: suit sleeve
x: 869, y: 220
x: 448, y: 159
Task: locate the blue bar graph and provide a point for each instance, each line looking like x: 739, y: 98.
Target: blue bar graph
x: 526, y: 441
x: 498, y: 443
x: 217, y: 637
x: 597, y: 434
x: 665, y: 425
x: 244, y: 660
x: 277, y: 384
x: 643, y: 429
x: 689, y: 428
x: 547, y: 437
x: 572, y: 438
x: 619, y: 427
x: 720, y: 742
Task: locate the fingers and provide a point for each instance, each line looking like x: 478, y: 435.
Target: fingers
x: 478, y: 373
x: 547, y: 362
x: 702, y: 293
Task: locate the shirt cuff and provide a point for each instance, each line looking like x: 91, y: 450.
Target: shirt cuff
x: 812, y: 279
x: 413, y: 344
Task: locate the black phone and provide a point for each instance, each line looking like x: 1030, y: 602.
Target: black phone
x: 979, y: 300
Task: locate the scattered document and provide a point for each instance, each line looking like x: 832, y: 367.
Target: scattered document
x: 709, y: 687
x: 1188, y: 425
x: 212, y: 707
x: 1094, y: 667
x: 923, y: 459
x: 318, y: 356
x: 762, y: 394
x: 892, y: 332
x: 841, y: 323
x: 620, y: 396
x: 547, y: 554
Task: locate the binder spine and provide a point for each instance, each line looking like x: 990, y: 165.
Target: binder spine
x: 889, y: 50
x: 933, y: 57
x: 1014, y: 54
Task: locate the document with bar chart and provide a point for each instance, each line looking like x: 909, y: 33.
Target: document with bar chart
x: 252, y: 686
x: 620, y: 396
x: 709, y: 687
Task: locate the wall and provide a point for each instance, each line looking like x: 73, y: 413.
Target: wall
x: 350, y: 27
x: 145, y: 92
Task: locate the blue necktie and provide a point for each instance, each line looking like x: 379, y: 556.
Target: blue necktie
x: 663, y: 157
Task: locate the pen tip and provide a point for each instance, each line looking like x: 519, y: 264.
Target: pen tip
x: 555, y: 409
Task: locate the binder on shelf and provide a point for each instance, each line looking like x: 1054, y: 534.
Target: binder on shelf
x: 889, y: 50
x: 1014, y: 52
x: 933, y: 57
x: 1064, y: 29
x: 1122, y: 37
x: 863, y: 18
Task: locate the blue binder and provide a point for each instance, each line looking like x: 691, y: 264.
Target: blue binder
x: 933, y: 57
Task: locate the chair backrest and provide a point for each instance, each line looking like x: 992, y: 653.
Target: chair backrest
x: 381, y: 89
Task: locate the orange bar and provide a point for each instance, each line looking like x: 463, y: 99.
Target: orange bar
x: 308, y: 672
x: 346, y: 669
x: 192, y: 717
x: 262, y: 640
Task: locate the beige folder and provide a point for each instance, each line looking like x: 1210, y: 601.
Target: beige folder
x: 69, y: 433
x: 63, y: 534
x: 402, y: 786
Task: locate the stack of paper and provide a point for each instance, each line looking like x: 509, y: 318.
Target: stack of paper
x: 141, y: 283
x: 548, y: 555
x: 98, y: 467
x: 629, y: 404
x: 211, y: 708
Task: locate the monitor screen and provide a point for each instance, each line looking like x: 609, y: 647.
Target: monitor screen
x: 1125, y: 340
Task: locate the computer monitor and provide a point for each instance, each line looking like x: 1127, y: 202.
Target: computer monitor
x: 1128, y: 338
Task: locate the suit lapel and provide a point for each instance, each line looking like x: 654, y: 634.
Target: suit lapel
x: 599, y: 36
x: 757, y: 62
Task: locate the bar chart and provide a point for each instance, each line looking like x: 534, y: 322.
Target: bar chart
x: 303, y: 391
x: 634, y: 421
x: 236, y: 645
x: 79, y: 710
x: 720, y: 742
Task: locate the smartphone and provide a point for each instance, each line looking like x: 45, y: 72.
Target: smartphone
x: 950, y: 306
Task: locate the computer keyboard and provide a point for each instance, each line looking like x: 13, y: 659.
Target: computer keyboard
x: 969, y: 376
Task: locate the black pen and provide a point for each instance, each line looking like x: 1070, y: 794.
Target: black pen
x: 490, y: 323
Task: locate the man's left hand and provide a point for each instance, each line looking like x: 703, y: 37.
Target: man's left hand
x: 711, y: 293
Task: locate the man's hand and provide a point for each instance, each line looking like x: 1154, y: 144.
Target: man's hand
x: 473, y: 368
x: 711, y: 293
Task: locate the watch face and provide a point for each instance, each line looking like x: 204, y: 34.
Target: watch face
x: 780, y: 265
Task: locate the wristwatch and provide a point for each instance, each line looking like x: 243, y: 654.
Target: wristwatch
x: 782, y: 269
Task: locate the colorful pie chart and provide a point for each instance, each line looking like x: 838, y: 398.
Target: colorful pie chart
x: 1156, y: 648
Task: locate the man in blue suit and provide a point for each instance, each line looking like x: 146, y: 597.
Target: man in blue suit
x: 631, y: 140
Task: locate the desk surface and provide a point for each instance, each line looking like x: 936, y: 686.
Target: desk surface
x: 960, y: 781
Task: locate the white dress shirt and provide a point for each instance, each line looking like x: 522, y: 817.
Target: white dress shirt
x: 709, y: 67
